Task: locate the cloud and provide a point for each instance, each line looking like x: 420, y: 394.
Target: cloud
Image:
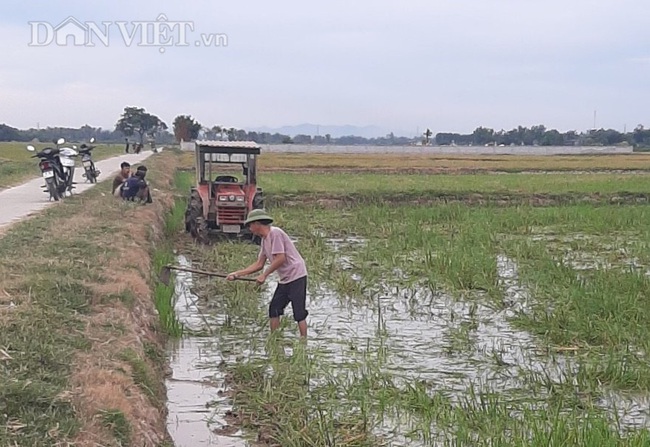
x: 450, y: 65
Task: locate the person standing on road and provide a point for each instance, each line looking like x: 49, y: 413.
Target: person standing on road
x: 279, y: 250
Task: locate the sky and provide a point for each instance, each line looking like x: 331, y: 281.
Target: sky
x: 449, y: 65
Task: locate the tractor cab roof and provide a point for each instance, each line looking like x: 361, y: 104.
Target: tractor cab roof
x: 211, y: 156
x: 227, y: 147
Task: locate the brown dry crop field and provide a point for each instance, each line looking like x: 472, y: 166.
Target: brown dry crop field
x: 444, y: 163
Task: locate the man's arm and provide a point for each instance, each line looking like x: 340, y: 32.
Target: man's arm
x: 254, y: 267
x: 278, y: 260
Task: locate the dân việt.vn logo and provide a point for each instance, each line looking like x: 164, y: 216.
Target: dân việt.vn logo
x: 161, y: 33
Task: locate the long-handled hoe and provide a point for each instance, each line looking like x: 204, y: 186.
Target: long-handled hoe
x: 165, y: 274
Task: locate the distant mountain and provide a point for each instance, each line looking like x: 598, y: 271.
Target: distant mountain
x: 333, y: 130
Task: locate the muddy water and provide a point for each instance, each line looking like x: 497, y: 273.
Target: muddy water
x: 196, y: 407
x: 412, y: 333
x: 432, y: 336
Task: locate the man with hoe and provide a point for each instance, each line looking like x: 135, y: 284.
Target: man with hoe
x: 285, y: 259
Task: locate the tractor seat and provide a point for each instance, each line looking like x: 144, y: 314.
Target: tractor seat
x: 226, y: 179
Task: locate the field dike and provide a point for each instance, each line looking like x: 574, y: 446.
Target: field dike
x: 432, y: 198
x: 82, y: 355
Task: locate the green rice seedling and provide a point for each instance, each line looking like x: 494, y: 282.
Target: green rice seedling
x: 164, y: 294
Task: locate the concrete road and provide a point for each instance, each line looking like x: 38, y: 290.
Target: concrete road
x: 24, y: 200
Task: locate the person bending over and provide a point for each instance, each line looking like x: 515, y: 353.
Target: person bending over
x: 280, y: 251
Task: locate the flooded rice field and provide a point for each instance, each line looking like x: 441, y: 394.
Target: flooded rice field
x: 412, y: 364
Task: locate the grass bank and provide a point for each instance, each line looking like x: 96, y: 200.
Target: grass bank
x: 83, y: 357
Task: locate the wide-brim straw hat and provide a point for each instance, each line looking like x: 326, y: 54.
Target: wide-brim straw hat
x: 257, y: 215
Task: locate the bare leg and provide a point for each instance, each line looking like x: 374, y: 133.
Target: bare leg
x: 275, y: 323
x: 302, y: 326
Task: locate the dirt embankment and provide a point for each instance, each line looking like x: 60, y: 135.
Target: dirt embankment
x: 81, y: 341
x: 468, y: 198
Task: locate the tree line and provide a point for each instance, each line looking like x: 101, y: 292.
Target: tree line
x: 136, y: 124
x: 541, y: 136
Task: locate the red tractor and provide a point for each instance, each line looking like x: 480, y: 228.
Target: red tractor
x: 220, y: 201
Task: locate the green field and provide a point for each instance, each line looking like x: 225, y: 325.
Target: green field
x: 446, y: 324
x: 378, y: 184
x: 16, y: 164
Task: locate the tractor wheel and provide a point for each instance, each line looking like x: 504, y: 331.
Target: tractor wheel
x: 258, y: 201
x: 195, y: 224
x: 200, y: 231
x: 188, y: 213
x: 193, y: 210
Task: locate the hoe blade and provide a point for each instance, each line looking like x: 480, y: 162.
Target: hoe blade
x: 165, y: 275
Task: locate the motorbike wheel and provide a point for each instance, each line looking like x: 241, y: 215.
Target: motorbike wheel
x: 70, y: 180
x: 51, y: 188
x: 61, y: 187
x: 90, y: 175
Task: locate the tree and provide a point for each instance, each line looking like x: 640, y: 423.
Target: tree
x: 552, y: 138
x: 186, y: 128
x: 8, y: 133
x: 135, y: 120
x: 641, y: 135
x: 482, y: 135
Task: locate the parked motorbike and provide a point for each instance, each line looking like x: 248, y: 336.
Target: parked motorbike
x: 51, y: 170
x: 91, y: 172
x: 66, y: 155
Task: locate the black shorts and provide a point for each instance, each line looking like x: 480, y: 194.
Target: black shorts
x: 294, y: 292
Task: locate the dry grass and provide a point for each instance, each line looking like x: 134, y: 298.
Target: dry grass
x: 78, y: 278
x: 442, y: 163
x: 451, y: 163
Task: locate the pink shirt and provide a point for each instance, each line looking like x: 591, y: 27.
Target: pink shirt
x: 278, y: 242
